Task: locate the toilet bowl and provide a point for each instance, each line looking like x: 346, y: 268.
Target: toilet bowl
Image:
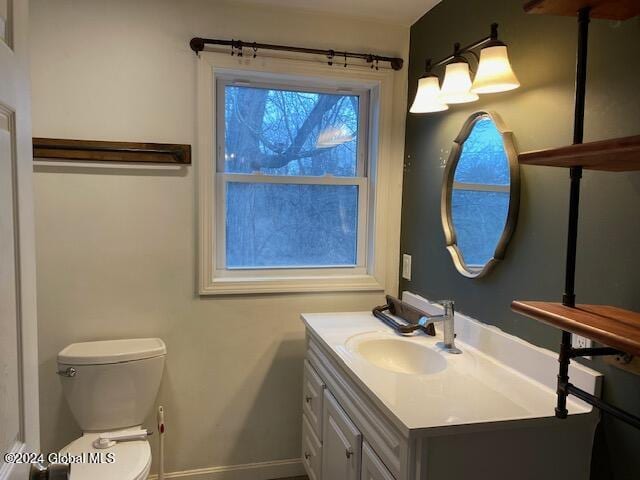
x: 110, y: 386
x: 129, y: 460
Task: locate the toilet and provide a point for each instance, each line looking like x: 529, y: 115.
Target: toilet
x: 111, y: 386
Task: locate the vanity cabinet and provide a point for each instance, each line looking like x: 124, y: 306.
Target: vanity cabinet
x: 349, y: 433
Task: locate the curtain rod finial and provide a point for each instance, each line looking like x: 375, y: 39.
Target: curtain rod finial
x: 396, y: 63
x: 197, y: 44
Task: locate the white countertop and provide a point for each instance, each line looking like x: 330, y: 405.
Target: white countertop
x: 473, y: 389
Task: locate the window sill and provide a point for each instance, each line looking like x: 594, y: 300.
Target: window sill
x: 239, y: 286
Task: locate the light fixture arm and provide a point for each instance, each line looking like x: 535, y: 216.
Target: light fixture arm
x: 470, y: 49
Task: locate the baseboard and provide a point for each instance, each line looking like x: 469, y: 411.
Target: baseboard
x: 249, y: 471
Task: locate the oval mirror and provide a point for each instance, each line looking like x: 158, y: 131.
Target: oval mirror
x: 480, y: 194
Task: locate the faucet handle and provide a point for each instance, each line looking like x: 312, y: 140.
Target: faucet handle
x: 446, y: 303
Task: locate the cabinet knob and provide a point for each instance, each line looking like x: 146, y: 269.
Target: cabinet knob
x: 348, y: 452
x: 307, y: 455
x: 308, y: 399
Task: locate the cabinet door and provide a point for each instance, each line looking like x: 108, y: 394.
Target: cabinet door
x: 312, y: 389
x: 341, y: 445
x: 372, y: 466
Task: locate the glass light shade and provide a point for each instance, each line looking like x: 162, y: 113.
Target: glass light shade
x: 494, y: 71
x: 427, y: 98
x: 456, y: 87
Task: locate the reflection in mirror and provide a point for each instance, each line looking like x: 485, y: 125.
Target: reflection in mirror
x: 480, y: 194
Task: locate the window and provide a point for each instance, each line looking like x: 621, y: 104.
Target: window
x: 291, y: 165
x: 293, y: 172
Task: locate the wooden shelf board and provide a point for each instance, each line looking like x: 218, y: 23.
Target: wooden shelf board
x: 614, y: 155
x: 611, y: 326
x: 100, y: 151
x: 603, y: 9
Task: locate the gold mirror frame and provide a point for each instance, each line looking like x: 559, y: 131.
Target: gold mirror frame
x: 447, y: 187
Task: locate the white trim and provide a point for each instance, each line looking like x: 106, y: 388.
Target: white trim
x: 249, y: 471
x: 380, y: 84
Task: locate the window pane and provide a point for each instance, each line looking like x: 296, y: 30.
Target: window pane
x: 282, y: 132
x: 290, y: 225
x: 483, y: 158
x: 479, y: 219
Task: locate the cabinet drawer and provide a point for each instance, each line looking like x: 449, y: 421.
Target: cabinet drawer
x: 311, y: 451
x: 372, y: 466
x: 312, y: 398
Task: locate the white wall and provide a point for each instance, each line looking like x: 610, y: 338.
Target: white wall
x: 116, y: 248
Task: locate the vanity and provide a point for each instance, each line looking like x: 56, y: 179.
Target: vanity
x: 379, y: 406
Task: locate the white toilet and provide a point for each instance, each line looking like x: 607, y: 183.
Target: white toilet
x: 110, y: 387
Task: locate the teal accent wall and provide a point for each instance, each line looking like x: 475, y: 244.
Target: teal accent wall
x: 540, y: 113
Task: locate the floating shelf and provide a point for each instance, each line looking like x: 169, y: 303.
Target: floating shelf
x: 120, y: 152
x: 611, y: 326
x: 604, y: 9
x: 615, y: 155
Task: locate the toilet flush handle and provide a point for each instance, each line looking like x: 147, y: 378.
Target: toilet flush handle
x: 67, y: 372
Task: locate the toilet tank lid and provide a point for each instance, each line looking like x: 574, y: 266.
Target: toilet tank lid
x: 111, y: 351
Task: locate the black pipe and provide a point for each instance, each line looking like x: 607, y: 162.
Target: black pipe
x: 594, y: 352
x: 602, y: 405
x: 569, y: 296
x: 563, y: 375
x: 197, y: 44
x: 581, y: 74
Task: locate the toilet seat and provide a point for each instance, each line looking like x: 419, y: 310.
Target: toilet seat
x: 131, y: 459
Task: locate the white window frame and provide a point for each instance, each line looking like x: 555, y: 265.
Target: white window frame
x: 217, y: 69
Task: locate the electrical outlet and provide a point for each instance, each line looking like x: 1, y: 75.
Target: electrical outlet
x: 406, y: 266
x: 581, y: 342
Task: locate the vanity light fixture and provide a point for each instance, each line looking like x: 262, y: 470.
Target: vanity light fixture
x: 428, y: 97
x: 494, y: 75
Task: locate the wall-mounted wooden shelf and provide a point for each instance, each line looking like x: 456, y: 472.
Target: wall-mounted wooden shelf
x: 120, y: 152
x: 604, y: 9
x: 614, y: 155
x: 611, y: 326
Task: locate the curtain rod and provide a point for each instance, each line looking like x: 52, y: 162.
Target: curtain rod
x: 197, y: 44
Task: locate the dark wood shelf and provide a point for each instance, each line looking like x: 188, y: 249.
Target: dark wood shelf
x: 101, y: 151
x: 614, y: 155
x: 604, y: 9
x: 611, y: 326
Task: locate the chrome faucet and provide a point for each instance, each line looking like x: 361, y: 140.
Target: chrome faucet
x: 447, y: 319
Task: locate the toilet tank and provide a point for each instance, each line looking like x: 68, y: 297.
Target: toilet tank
x: 112, y: 384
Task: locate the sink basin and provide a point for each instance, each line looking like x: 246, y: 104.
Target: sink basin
x: 397, y: 354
